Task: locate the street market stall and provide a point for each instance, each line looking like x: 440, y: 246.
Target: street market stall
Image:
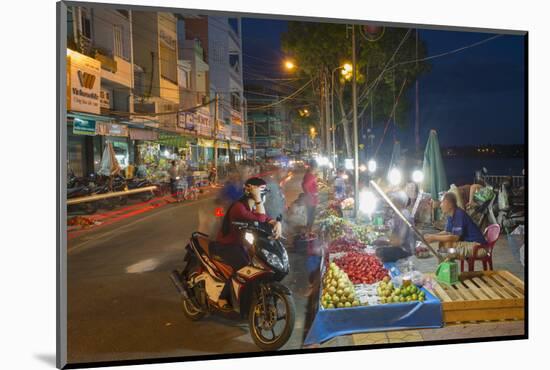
x: 360, y: 294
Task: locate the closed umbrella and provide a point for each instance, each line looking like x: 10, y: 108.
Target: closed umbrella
x: 395, y: 161
x: 435, y: 178
x: 109, y: 165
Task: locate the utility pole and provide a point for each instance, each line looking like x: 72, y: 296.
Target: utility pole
x: 254, y: 141
x: 333, y: 126
x: 216, y: 137
x: 355, y: 138
x: 417, y: 118
x: 327, y: 119
x: 322, y: 113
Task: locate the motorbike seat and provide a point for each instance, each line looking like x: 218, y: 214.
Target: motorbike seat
x: 225, y: 269
x: 204, y: 243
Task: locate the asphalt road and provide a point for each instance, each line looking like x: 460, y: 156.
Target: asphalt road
x: 122, y: 305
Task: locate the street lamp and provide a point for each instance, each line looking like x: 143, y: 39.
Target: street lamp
x: 347, y: 68
x: 418, y: 176
x: 289, y: 65
x: 371, y: 166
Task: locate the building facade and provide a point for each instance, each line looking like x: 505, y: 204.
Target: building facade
x: 173, y: 81
x: 100, y: 85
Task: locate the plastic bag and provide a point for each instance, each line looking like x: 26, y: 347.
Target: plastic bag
x: 503, y: 199
x: 484, y: 194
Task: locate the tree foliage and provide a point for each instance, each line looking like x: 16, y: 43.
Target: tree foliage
x: 383, y: 67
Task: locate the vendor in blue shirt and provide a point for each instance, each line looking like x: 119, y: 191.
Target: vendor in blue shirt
x: 460, y: 229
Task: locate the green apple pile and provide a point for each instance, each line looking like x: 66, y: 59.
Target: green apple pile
x: 338, y: 290
x: 387, y: 293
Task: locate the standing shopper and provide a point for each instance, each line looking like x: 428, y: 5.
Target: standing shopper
x: 173, y: 172
x: 309, y: 185
x: 275, y: 204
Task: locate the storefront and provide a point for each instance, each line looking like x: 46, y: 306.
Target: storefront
x: 83, y: 145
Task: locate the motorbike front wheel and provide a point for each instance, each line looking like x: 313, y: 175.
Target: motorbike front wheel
x: 271, y: 330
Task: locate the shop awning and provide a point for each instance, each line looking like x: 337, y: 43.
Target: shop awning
x: 223, y: 144
x: 143, y: 134
x: 173, y: 140
x: 206, y: 143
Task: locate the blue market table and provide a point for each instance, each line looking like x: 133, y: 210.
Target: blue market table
x: 330, y: 323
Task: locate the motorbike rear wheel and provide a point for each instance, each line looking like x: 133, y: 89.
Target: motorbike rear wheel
x: 260, y: 322
x: 190, y: 311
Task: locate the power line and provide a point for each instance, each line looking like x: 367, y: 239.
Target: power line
x: 448, y: 52
x: 284, y: 99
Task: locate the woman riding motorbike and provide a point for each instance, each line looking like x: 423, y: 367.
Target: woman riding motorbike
x: 228, y: 246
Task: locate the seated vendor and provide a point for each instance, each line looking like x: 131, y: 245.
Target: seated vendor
x: 460, y: 231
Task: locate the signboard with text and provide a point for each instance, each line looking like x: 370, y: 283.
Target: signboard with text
x: 105, y: 98
x: 84, y: 83
x: 83, y: 127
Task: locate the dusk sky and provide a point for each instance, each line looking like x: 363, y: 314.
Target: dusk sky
x: 475, y: 96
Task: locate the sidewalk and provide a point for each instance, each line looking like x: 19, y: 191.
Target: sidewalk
x: 449, y: 332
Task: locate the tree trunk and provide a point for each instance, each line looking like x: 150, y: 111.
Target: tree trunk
x: 345, y: 123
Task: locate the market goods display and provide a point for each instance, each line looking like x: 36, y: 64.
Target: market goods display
x: 388, y: 293
x: 344, y: 244
x: 338, y: 290
x: 362, y: 268
x: 335, y: 226
x: 364, y: 233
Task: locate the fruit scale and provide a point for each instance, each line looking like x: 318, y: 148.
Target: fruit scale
x: 447, y: 270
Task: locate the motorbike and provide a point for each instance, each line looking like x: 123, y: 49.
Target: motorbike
x: 137, y: 183
x: 119, y: 183
x: 511, y: 212
x: 100, y: 184
x: 185, y: 189
x: 505, y: 206
x: 256, y: 292
x: 77, y: 192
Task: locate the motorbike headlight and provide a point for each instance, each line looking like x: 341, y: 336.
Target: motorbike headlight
x: 249, y: 237
x: 272, y: 259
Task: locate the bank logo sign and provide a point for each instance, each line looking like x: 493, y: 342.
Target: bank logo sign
x: 86, y: 79
x: 83, y: 83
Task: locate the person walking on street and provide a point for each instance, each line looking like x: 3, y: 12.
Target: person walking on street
x: 212, y: 174
x: 275, y: 204
x: 310, y: 188
x: 173, y: 172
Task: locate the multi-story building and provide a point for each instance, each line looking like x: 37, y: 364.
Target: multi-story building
x: 99, y: 84
x: 266, y: 126
x: 222, y: 36
x: 156, y: 78
x: 153, y: 78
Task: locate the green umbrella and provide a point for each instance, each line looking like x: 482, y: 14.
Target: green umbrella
x: 435, y: 178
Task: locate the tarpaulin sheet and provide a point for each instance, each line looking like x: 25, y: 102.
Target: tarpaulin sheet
x: 384, y: 317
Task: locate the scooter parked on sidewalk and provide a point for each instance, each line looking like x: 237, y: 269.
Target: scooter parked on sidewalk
x: 137, y: 183
x: 256, y: 292
x: 77, y: 192
x: 505, y: 206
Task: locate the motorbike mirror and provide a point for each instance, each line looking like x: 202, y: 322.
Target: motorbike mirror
x: 484, y: 170
x: 279, y: 218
